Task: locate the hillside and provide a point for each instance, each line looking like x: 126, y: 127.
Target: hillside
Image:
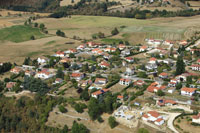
x: 30, y: 5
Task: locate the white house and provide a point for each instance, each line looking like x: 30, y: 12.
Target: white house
x: 124, y: 81
x: 99, y: 93
x: 129, y: 59
x: 44, y: 74
x: 196, y: 118
x: 129, y: 71
x: 188, y: 91
x: 16, y: 70
x: 104, y: 64
x: 77, y: 76
x: 60, y: 54
x: 41, y: 60
x: 101, y: 81
x: 163, y: 75
x: 159, y: 121
x: 143, y: 48
x: 121, y: 46
x: 152, y: 60
x: 81, y: 47
x: 195, y: 67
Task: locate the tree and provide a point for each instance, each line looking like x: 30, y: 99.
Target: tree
x: 71, y: 55
x: 60, y: 33
x: 62, y: 109
x: 180, y: 66
x: 65, y: 129
x: 85, y: 67
x: 79, y: 128
x: 78, y: 108
x: 32, y: 37
x: 94, y: 109
x: 143, y: 130
x: 42, y: 27
x: 112, y: 122
x: 160, y: 93
x: 114, y: 31
x: 27, y: 61
x: 178, y: 86
x: 35, y: 24
x: 60, y: 74
x: 85, y: 95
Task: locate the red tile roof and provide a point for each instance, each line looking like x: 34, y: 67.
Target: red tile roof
x: 154, y: 114
x: 186, y: 89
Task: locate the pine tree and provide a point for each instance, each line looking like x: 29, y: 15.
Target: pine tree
x: 180, y: 66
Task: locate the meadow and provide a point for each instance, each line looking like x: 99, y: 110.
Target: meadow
x: 19, y: 33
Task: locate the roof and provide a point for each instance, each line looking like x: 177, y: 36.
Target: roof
x: 120, y: 97
x: 60, y: 53
x: 99, y: 92
x: 103, y: 63
x: 76, y: 74
x: 186, y: 89
x: 154, y: 114
x: 125, y: 80
x: 100, y: 79
x: 143, y: 47
x: 10, y: 84
x: 129, y: 58
x: 159, y: 120
x: 145, y: 116
x: 152, y: 59
x: 163, y: 74
x: 195, y: 65
x: 196, y: 116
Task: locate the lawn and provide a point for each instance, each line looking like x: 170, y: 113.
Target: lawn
x: 19, y: 33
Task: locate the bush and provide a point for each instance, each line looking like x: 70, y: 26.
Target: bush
x: 62, y: 109
x: 143, y: 130
x: 112, y: 122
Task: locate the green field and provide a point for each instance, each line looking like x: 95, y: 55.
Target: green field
x: 19, y: 33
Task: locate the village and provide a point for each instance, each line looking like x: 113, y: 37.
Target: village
x: 144, y: 79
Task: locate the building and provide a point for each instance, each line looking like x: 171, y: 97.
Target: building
x: 100, y: 81
x: 188, y: 91
x: 29, y: 73
x: 121, y: 46
x: 60, y: 54
x: 10, y: 85
x: 163, y: 75
x: 45, y: 74
x: 196, y: 118
x: 110, y: 49
x: 98, y: 94
x: 153, y: 116
x: 129, y: 59
x: 195, y: 67
x: 104, y: 64
x: 130, y: 71
x: 77, y: 76
x: 16, y: 70
x: 143, y: 48
x: 58, y: 81
x: 81, y: 47
x: 124, y: 81
x: 154, y: 87
x: 152, y: 60
x: 42, y: 60
x: 165, y: 102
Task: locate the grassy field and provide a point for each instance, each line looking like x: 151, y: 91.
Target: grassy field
x: 19, y: 33
x: 133, y: 30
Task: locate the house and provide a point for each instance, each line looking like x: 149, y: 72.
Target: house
x: 16, y: 70
x: 154, y: 87
x: 122, y: 112
x: 150, y: 66
x: 163, y: 75
x: 153, y: 116
x: 121, y: 46
x: 77, y: 76
x: 65, y: 60
x: 101, y: 81
x: 100, y: 52
x: 99, y: 93
x: 45, y: 74
x: 107, y: 56
x: 81, y: 47
x: 120, y: 98
x: 195, y: 67
x: 29, y: 73
x: 104, y: 64
x: 183, y: 42
x: 93, y: 44
x: 165, y: 102
x: 125, y: 52
x: 60, y: 54
x: 171, y: 90
x: 129, y: 59
x: 58, y: 81
x: 85, y: 83
x: 152, y: 60
x: 173, y: 82
x: 188, y: 91
x: 71, y: 50
x: 1, y: 64
x: 10, y: 85
x: 110, y: 49
x: 168, y: 42
x: 198, y: 61
x: 143, y: 48
x: 159, y: 121
x: 124, y: 81
x: 196, y: 118
x: 154, y: 42
x: 95, y: 51
x: 139, y: 83
x: 41, y: 60
x: 130, y: 71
